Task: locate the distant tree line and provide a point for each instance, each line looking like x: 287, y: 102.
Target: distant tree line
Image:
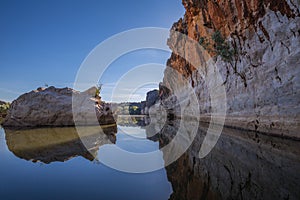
x: 127, y: 108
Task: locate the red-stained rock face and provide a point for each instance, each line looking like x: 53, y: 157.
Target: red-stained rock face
x: 236, y: 18
x: 261, y: 81
x: 231, y: 16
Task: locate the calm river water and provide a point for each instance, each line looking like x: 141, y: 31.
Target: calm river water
x: 53, y: 163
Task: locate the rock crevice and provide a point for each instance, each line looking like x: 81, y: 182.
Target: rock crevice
x: 262, y: 79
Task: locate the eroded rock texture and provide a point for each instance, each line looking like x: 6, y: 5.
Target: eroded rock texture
x: 262, y: 80
x: 53, y: 107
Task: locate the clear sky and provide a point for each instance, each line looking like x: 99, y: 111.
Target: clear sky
x: 45, y: 42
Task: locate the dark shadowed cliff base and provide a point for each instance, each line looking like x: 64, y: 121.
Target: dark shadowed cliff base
x: 242, y: 165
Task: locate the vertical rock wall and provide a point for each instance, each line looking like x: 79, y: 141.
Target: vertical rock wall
x: 262, y: 80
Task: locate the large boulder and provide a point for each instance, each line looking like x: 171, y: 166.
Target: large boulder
x: 53, y: 107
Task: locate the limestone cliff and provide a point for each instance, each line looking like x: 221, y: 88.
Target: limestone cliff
x: 262, y: 73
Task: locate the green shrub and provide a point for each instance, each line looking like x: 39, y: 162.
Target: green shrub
x: 4, y: 107
x: 220, y: 46
x: 98, y: 90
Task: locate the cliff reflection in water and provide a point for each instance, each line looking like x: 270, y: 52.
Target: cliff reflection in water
x: 242, y: 165
x: 58, y: 144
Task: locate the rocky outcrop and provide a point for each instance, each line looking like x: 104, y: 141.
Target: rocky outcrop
x: 53, y: 107
x: 255, y: 48
x: 260, y: 69
x: 151, y: 99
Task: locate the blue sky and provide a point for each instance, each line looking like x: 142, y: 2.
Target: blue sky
x: 46, y: 41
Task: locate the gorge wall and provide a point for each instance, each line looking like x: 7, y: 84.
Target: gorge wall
x: 261, y: 75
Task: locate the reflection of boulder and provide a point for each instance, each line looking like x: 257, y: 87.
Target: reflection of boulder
x: 58, y: 144
x: 53, y: 107
x: 242, y: 165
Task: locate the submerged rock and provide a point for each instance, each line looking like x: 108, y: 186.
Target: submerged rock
x: 53, y: 107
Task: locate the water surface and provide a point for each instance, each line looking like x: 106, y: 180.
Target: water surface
x: 52, y: 163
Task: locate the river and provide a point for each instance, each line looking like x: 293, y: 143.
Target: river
x: 54, y: 163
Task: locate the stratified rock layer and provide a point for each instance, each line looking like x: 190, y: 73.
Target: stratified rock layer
x: 262, y: 81
x: 53, y: 107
